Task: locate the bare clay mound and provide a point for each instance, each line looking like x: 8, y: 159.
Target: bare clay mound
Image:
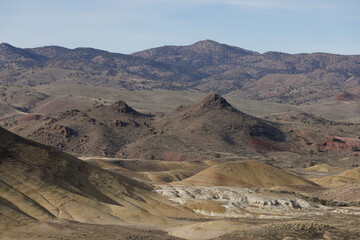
x: 341, y: 179
x: 40, y: 183
x: 247, y: 173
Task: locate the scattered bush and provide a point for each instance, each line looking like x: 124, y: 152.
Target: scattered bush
x: 311, y: 152
x: 355, y: 149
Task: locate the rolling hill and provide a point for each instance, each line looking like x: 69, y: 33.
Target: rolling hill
x: 210, y: 126
x: 198, y: 130
x: 341, y: 179
x: 96, y: 131
x: 245, y: 174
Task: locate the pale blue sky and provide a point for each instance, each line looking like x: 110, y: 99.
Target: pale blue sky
x: 126, y: 26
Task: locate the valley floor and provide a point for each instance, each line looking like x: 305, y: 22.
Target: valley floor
x: 221, y: 212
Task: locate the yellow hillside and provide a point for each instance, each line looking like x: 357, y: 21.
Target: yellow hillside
x: 38, y: 182
x: 324, y: 168
x: 350, y: 176
x: 352, y: 173
x: 249, y: 173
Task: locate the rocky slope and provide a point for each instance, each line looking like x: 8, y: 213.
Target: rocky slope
x: 99, y: 131
x: 211, y: 128
x: 235, y: 202
x: 228, y: 68
x: 51, y: 64
x: 205, y: 65
x: 198, y: 130
x: 207, y: 127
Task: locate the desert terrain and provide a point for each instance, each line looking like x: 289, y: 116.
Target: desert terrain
x: 100, y: 145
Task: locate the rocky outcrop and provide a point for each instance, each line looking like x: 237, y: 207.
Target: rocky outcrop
x: 236, y: 200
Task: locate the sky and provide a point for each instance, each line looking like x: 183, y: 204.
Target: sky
x: 127, y: 26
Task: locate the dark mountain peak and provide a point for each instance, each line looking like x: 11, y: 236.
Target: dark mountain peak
x: 213, y: 47
x: 50, y: 51
x: 10, y: 53
x: 122, y: 107
x: 203, y: 54
x: 212, y: 104
x: 206, y: 43
x: 7, y: 48
x: 215, y: 101
x: 214, y: 97
x: 6, y: 45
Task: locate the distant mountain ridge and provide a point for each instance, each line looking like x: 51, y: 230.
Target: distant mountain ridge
x: 200, y: 54
x: 204, y: 66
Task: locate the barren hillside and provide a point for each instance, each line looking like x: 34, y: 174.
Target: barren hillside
x: 200, y: 130
x: 41, y: 184
x: 205, y: 65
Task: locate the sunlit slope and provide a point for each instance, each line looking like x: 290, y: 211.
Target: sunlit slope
x: 38, y: 182
x: 349, y: 176
x: 248, y: 173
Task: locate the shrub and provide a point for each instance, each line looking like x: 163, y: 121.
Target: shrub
x: 355, y: 149
x: 311, y: 152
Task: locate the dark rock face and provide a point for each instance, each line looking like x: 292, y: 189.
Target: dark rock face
x: 266, y: 131
x: 121, y: 106
x: 215, y: 101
